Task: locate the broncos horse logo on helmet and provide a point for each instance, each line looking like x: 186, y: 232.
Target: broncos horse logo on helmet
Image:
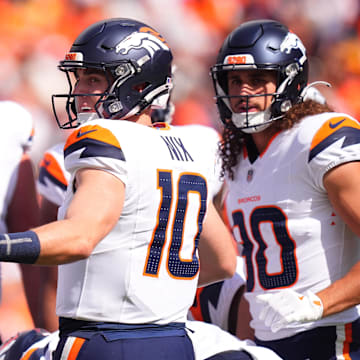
x: 138, y: 40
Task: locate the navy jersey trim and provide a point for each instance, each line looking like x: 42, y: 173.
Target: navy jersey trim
x: 95, y: 148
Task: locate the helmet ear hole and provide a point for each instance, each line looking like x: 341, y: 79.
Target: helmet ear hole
x: 140, y: 87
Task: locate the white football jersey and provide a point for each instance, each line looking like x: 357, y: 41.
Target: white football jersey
x: 53, y: 178
x: 280, y: 215
x: 15, y: 139
x: 146, y: 269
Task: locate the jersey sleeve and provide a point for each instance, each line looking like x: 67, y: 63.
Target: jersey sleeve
x: 53, y: 178
x: 96, y: 147
x: 336, y: 142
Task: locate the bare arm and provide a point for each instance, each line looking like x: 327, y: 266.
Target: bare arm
x: 216, y: 249
x: 93, y: 212
x: 343, y: 187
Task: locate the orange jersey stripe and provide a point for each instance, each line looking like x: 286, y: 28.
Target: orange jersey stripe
x: 347, y: 342
x: 95, y: 132
x: 75, y: 349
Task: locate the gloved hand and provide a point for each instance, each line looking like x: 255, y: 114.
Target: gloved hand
x: 287, y: 306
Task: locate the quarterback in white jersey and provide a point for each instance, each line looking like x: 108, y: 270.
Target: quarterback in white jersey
x: 207, y: 340
x: 292, y: 169
x: 217, y: 303
x: 170, y: 169
x: 128, y: 235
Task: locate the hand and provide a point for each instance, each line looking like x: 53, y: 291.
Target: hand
x: 287, y: 306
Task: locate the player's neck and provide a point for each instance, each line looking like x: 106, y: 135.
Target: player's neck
x: 143, y: 119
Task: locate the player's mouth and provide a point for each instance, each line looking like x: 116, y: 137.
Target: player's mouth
x: 243, y: 108
x: 86, y: 109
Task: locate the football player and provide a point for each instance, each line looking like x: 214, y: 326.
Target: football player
x: 127, y: 239
x: 217, y: 303
x: 220, y: 308
x: 18, y: 198
x: 293, y: 172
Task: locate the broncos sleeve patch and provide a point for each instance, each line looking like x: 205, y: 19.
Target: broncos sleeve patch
x: 95, y: 141
x: 332, y: 130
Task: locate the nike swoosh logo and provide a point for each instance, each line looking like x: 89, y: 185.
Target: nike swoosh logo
x: 334, y: 125
x: 80, y: 133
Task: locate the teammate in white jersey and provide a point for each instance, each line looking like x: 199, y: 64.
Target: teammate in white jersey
x: 137, y: 200
x: 18, y: 201
x: 292, y: 169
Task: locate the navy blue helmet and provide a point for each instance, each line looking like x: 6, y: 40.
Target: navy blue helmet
x: 265, y: 45
x: 135, y: 58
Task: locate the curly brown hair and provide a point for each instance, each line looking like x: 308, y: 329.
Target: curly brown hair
x: 233, y: 139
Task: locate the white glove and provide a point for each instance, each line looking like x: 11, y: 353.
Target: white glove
x: 287, y: 306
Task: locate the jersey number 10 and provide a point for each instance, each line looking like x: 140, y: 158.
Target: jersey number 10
x: 177, y: 268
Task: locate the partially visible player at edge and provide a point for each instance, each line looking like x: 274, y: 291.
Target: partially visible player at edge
x: 18, y: 205
x: 293, y: 174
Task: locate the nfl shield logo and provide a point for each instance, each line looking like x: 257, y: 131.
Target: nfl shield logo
x: 250, y: 175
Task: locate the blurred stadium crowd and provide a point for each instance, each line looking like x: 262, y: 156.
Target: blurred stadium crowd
x: 35, y: 35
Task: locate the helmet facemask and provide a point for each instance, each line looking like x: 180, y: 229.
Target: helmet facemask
x: 75, y: 117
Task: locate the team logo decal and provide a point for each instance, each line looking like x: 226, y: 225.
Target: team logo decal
x: 250, y: 175
x: 138, y: 40
x: 290, y: 42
